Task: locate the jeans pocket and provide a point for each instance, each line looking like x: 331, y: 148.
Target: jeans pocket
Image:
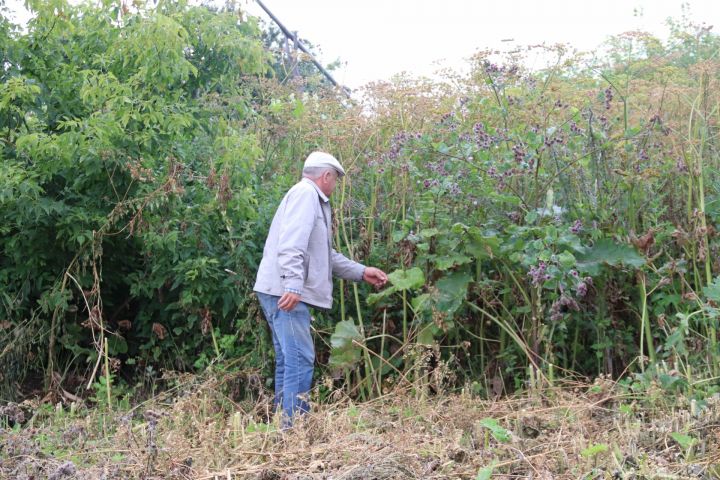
x: 300, y: 310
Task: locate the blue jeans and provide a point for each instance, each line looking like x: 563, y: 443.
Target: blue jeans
x: 294, y: 354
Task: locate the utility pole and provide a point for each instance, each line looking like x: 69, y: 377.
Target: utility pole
x: 300, y: 46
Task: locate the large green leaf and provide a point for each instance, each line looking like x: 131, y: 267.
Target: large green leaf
x: 421, y: 303
x: 607, y: 252
x: 712, y: 291
x: 376, y: 297
x: 426, y: 335
x: 479, y: 244
x: 345, y: 353
x: 407, y: 279
x: 451, y: 291
x: 446, y: 262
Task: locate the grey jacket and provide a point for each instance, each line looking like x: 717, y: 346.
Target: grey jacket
x: 298, y: 254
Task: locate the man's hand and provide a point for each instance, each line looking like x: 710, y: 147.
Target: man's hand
x: 288, y: 301
x: 375, y: 277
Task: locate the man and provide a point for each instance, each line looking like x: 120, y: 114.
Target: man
x: 296, y: 272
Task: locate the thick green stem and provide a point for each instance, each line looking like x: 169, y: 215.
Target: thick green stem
x: 645, y: 329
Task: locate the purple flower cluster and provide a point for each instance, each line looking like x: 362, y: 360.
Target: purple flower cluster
x: 550, y: 141
x: 518, y: 153
x: 574, y: 128
x: 465, y: 137
x: 499, y: 74
x: 582, y: 287
x: 440, y: 168
x: 484, y: 140
x: 538, y: 274
x: 608, y: 97
x: 449, y: 121
x: 656, y: 120
x: 502, y: 177
x: 562, y: 305
x: 643, y: 155
x: 604, y: 123
x: 681, y: 166
x: 491, y: 68
x: 576, y: 227
x: 453, y: 188
x: 397, y: 142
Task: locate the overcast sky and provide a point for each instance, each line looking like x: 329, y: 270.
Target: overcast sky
x: 379, y: 38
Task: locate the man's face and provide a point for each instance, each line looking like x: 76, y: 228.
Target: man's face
x: 328, y: 181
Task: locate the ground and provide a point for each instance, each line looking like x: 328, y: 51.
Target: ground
x: 196, y: 430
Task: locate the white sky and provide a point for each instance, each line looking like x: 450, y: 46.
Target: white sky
x: 379, y: 38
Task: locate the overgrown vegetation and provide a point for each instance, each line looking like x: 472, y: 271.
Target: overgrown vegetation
x: 200, y: 429
x: 537, y: 224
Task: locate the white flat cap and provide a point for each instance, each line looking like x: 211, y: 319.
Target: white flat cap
x: 322, y: 159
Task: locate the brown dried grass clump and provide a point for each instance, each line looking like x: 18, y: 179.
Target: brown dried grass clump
x: 197, y: 431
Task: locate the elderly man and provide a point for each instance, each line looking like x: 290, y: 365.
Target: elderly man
x: 296, y: 273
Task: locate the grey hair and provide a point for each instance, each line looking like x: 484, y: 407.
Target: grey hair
x: 314, y: 173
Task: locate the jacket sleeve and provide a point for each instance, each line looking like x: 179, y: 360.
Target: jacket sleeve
x: 345, y: 268
x: 295, y: 228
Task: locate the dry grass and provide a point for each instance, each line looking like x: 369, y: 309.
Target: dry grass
x: 197, y: 431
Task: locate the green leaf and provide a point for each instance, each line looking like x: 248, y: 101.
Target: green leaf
x: 429, y: 232
x: 426, y: 335
x: 373, y: 298
x: 594, y: 450
x: 499, y: 433
x: 566, y: 259
x: 485, y: 473
x: 399, y: 235
x: 117, y: 345
x: 712, y: 291
x: 299, y: 109
x: 407, y: 279
x: 685, y: 441
x: 607, y: 252
x: 421, y: 302
x: 451, y: 291
x: 481, y: 245
x: 345, y: 353
x: 449, y: 261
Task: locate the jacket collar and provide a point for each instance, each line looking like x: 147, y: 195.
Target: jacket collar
x: 322, y: 196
